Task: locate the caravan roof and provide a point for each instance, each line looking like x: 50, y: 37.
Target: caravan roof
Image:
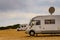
x: 45, y: 16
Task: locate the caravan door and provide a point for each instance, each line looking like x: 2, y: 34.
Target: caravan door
x: 37, y: 26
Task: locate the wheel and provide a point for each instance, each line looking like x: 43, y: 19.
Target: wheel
x: 32, y: 33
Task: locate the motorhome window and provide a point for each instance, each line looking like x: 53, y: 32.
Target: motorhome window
x: 32, y: 23
x: 37, y: 22
x: 50, y: 21
x: 24, y: 25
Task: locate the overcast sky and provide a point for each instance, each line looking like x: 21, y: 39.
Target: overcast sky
x: 22, y: 11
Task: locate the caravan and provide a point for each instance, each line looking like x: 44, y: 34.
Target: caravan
x: 48, y: 24
x: 22, y: 27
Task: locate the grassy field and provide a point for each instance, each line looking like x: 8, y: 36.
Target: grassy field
x: 12, y: 34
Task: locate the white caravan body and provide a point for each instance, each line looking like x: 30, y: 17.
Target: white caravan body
x: 45, y: 24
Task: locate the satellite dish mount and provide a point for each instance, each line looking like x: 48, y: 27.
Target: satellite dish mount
x: 51, y: 10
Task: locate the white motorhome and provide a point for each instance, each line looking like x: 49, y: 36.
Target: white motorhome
x: 49, y: 24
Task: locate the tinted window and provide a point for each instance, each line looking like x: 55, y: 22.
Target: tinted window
x: 50, y: 21
x: 37, y: 22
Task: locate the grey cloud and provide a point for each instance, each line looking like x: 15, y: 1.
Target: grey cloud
x: 57, y: 3
x: 24, y: 5
x: 12, y: 4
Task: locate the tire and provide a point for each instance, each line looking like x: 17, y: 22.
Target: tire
x: 32, y: 33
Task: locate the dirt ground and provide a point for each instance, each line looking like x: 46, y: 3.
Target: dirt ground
x: 12, y: 34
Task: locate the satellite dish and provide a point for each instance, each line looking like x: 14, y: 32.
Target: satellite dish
x: 51, y: 10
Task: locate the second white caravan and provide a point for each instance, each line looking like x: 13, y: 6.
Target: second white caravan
x: 49, y: 24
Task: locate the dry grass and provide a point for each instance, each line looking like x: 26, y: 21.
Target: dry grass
x: 12, y: 34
